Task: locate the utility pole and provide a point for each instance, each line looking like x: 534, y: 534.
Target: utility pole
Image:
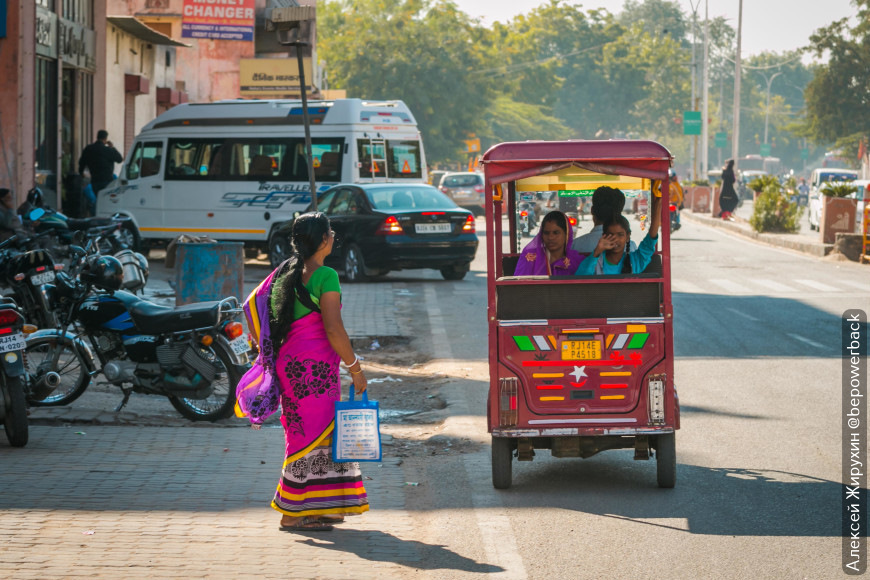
x: 767, y: 105
x: 705, y: 131
x: 694, y: 105
x: 735, y: 143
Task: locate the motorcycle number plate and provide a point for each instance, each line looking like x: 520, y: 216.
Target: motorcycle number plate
x: 43, y: 278
x: 12, y: 342
x: 240, y: 345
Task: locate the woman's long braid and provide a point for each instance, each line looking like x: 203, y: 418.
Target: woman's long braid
x: 306, y: 237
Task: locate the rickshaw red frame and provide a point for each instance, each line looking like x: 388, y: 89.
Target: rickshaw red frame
x: 532, y: 319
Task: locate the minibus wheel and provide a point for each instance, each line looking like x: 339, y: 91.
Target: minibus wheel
x: 666, y: 460
x: 502, y: 462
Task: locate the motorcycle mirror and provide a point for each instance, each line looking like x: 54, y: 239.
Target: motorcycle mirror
x: 80, y: 238
x: 36, y: 214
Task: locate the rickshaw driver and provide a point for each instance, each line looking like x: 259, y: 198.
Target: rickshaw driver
x: 612, y: 254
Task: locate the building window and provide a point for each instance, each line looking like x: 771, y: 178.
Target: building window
x: 46, y: 115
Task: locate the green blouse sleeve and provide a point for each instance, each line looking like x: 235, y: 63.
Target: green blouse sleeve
x: 326, y: 280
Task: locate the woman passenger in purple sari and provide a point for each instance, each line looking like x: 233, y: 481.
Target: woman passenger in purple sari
x: 550, y: 253
x: 295, y: 315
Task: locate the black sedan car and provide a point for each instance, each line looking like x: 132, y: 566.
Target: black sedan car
x: 381, y: 227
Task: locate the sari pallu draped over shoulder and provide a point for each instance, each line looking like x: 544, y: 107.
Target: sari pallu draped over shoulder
x: 303, y: 376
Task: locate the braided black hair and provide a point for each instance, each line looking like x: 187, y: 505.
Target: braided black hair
x: 617, y: 219
x: 308, y: 233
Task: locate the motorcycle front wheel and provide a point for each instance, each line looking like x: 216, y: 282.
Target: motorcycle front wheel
x: 220, y: 404
x: 57, y: 354
x: 15, y: 422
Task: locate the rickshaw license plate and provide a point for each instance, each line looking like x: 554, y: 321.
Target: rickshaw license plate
x: 581, y: 350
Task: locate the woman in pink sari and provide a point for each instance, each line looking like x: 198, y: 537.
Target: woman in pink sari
x: 295, y: 315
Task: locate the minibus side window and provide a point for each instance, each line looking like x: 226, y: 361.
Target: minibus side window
x: 328, y: 160
x: 256, y: 160
x: 145, y: 161
x: 194, y: 159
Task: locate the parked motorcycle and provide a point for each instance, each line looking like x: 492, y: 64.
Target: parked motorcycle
x: 28, y: 275
x: 117, y: 232
x: 194, y: 355
x: 13, y: 384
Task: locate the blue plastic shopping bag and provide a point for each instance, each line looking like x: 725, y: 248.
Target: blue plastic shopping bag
x: 357, y: 434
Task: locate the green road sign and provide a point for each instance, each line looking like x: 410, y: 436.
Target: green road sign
x: 765, y: 149
x: 721, y: 140
x: 805, y: 153
x: 691, y: 122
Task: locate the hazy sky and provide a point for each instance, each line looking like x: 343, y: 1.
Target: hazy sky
x: 775, y: 25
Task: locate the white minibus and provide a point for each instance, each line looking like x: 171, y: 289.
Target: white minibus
x: 235, y: 170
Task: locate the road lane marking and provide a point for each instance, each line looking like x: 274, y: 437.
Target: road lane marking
x: 858, y: 285
x: 806, y: 340
x: 686, y: 287
x: 729, y: 285
x: 773, y: 285
x: 818, y: 285
x: 496, y: 533
x: 743, y: 314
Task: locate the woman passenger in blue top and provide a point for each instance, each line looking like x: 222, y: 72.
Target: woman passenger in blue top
x: 612, y: 254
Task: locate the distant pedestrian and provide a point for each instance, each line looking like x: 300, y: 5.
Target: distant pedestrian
x: 99, y: 158
x: 296, y: 317
x: 803, y: 192
x: 728, y: 197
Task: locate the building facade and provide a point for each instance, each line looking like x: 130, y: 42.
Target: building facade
x: 52, y: 95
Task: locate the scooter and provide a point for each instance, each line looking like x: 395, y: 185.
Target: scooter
x: 675, y: 217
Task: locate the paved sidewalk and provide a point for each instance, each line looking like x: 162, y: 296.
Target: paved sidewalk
x: 805, y: 241
x: 133, y: 502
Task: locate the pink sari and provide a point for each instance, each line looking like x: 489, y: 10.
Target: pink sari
x: 305, y: 377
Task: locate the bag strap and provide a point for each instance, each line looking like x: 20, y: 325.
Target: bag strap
x: 365, y: 395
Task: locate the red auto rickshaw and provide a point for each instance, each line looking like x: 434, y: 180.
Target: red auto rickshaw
x: 578, y: 364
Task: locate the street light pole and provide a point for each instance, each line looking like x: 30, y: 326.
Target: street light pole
x: 705, y: 131
x: 767, y: 105
x: 735, y: 143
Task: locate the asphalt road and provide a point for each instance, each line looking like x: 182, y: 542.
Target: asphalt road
x: 758, y: 496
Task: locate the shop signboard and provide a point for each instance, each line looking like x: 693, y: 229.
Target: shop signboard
x: 272, y: 76
x: 46, y: 32
x: 78, y: 45
x: 218, y: 19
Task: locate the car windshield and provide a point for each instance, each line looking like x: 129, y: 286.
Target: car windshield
x: 460, y: 180
x: 419, y: 197
x: 838, y: 177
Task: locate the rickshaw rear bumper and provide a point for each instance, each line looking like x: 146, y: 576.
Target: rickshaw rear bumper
x: 516, y: 432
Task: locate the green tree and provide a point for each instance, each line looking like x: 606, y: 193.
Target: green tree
x: 656, y: 18
x: 424, y: 53
x: 838, y: 102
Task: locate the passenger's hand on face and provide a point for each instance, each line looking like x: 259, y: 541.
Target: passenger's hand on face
x: 605, y: 242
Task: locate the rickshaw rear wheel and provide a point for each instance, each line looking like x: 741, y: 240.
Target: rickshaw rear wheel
x: 502, y: 462
x: 666, y: 460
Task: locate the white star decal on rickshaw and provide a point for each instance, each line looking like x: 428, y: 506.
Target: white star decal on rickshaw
x: 578, y: 372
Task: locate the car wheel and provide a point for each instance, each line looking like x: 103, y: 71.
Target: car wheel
x: 454, y: 272
x: 279, y: 249
x: 354, y: 264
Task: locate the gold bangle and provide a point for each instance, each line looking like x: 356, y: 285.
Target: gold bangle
x: 356, y: 372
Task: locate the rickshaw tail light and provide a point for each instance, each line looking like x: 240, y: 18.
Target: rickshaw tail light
x: 507, y: 402
x: 656, y: 389
x: 469, y: 226
x: 572, y: 220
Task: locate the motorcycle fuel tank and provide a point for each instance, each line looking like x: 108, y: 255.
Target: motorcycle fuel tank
x: 102, y: 313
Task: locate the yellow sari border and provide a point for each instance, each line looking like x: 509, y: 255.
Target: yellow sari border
x: 316, y: 443
x: 351, y: 510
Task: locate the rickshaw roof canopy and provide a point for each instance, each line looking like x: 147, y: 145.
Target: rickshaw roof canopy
x: 519, y: 160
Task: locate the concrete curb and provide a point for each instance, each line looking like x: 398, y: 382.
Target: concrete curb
x: 743, y: 229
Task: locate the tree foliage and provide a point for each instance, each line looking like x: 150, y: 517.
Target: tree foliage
x: 838, y: 97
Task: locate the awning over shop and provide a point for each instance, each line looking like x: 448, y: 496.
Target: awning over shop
x: 134, y: 26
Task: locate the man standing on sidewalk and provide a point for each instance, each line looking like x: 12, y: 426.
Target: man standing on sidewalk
x: 100, y: 158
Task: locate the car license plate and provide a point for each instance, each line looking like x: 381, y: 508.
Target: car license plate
x: 240, y: 345
x: 432, y: 228
x: 464, y: 194
x: 12, y: 342
x: 581, y: 350
x: 43, y: 278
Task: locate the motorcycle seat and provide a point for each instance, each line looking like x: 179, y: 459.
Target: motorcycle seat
x: 155, y: 319
x: 87, y: 223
